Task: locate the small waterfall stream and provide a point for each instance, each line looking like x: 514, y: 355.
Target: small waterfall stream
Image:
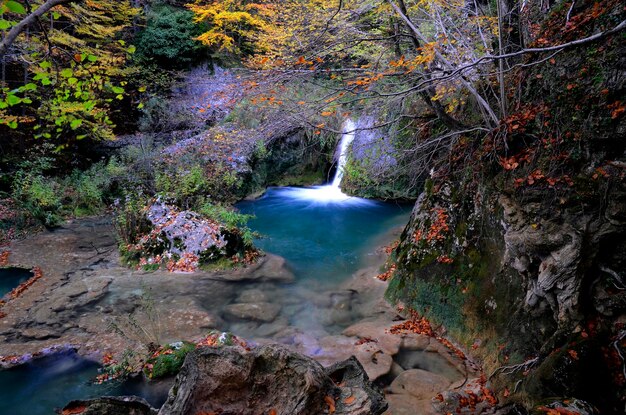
x: 331, y: 193
x: 347, y: 137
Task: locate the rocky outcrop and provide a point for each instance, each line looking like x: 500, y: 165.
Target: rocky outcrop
x: 269, y: 379
x: 534, y: 278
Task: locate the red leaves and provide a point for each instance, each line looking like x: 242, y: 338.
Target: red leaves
x: 444, y: 259
x: 387, y: 274
x: 4, y: 258
x: 349, y: 400
x: 617, y: 109
x: 74, y: 410
x: 330, y: 401
x: 418, y: 325
x: 19, y: 290
x: 439, y: 226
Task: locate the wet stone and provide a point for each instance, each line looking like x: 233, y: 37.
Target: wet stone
x: 266, y: 312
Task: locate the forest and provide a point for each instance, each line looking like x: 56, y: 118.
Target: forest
x: 312, y: 207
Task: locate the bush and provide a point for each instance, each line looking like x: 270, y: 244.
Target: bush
x: 168, y: 38
x: 168, y: 360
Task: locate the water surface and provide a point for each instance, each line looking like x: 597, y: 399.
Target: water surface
x: 323, y: 233
x: 39, y: 387
x: 11, y: 278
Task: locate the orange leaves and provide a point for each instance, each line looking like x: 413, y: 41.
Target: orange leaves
x: 509, y: 163
x: 535, y: 176
x: 187, y: 263
x: 349, y: 400
x: 444, y: 259
x: 19, y: 290
x: 557, y: 411
x: 366, y: 80
x: 327, y: 113
x: 417, y: 236
x: 600, y: 172
x: 415, y: 325
x: 4, y: 258
x: 617, y: 109
x: 330, y: 401
x: 74, y: 410
x: 439, y: 227
x: 385, y: 276
x: 273, y: 412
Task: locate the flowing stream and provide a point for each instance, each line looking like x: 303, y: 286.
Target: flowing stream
x: 325, y: 237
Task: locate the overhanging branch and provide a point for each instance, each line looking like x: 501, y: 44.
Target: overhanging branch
x: 32, y: 18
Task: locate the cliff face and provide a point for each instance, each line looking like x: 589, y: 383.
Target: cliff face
x: 519, y: 251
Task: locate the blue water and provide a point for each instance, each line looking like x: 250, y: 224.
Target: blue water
x: 11, y: 278
x: 38, y: 387
x: 325, y: 237
x: 322, y: 233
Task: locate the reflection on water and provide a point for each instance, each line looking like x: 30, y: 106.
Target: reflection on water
x: 11, y: 278
x: 323, y: 238
x: 38, y: 387
x: 323, y: 234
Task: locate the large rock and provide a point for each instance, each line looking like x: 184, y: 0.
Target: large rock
x: 269, y: 379
x: 265, y: 312
x: 419, y: 383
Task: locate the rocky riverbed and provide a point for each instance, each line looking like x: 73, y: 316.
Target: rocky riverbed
x: 87, y: 300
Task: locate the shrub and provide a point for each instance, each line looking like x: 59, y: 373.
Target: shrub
x: 168, y: 38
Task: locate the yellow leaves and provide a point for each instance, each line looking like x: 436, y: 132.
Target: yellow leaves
x: 213, y: 38
x: 229, y: 19
x: 327, y: 113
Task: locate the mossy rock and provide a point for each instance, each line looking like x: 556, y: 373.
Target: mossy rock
x: 168, y: 360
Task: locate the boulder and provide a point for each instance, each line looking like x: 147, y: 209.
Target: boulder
x: 377, y: 331
x: 408, y: 405
x: 419, y: 383
x: 269, y: 379
x: 252, y: 296
x: 375, y: 361
x: 265, y: 312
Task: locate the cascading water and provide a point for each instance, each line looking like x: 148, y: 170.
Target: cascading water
x: 346, y: 139
x: 331, y: 193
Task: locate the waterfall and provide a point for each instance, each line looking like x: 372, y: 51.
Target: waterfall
x: 331, y: 193
x: 346, y: 139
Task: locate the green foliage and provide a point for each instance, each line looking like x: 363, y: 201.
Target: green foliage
x: 168, y: 360
x: 185, y: 186
x: 49, y: 198
x: 439, y: 302
x: 168, y: 38
x: 231, y: 219
x: 73, y: 75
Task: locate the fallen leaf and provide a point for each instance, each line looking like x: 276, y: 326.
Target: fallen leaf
x: 349, y: 400
x: 74, y: 410
x: 330, y: 401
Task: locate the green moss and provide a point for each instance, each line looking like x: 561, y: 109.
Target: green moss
x: 168, y: 360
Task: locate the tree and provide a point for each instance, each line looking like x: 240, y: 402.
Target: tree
x: 234, y: 25
x: 75, y: 70
x: 168, y: 38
